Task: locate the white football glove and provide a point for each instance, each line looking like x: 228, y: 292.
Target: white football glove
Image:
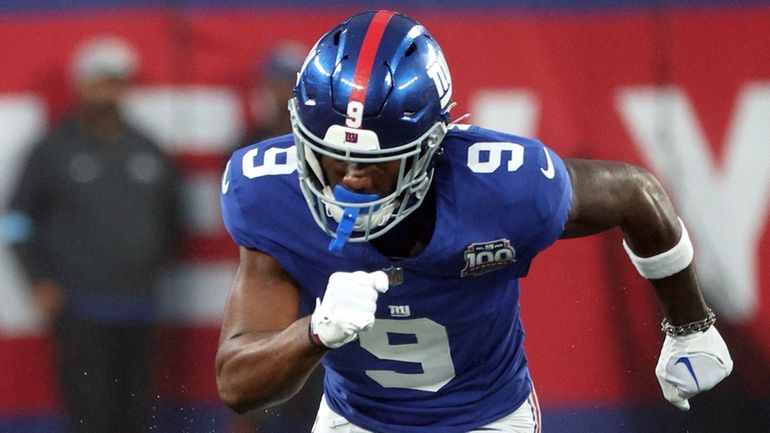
x: 348, y: 306
x: 692, y: 364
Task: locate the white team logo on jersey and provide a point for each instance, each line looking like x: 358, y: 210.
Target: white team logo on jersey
x: 399, y: 310
x: 483, y: 257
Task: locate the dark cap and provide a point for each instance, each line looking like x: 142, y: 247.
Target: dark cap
x: 284, y: 61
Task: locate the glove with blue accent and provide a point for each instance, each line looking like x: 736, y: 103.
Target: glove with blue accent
x: 348, y: 306
x: 692, y: 364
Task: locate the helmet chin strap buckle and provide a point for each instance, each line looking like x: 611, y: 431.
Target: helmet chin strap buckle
x: 349, y: 215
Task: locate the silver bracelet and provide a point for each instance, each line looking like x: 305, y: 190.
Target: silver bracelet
x: 688, y: 328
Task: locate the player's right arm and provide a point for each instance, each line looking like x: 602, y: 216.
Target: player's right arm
x: 265, y: 354
x: 267, y: 349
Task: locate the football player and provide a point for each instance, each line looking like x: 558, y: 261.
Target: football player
x: 387, y: 242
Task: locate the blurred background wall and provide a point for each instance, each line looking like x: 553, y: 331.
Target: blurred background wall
x: 681, y: 87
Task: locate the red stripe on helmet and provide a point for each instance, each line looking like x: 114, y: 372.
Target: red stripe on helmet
x: 366, y: 56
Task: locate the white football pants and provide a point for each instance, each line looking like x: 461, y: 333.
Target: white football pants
x: 525, y: 419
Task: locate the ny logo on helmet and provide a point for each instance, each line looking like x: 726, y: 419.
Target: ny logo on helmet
x: 438, y: 71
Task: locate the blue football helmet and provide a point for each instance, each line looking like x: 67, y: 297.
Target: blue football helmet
x: 374, y: 89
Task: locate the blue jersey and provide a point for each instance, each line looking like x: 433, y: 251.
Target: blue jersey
x: 446, y: 351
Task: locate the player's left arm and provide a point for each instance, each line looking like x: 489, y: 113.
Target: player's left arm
x: 607, y: 194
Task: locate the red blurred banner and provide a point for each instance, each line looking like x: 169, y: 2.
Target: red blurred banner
x: 685, y: 93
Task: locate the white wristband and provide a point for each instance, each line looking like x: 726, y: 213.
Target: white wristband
x: 666, y: 263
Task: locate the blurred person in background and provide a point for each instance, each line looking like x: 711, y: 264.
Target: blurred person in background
x: 276, y: 75
x: 97, y: 220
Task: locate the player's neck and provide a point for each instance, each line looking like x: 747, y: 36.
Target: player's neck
x: 412, y: 235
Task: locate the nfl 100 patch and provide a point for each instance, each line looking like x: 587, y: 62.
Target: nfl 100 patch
x: 484, y: 257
